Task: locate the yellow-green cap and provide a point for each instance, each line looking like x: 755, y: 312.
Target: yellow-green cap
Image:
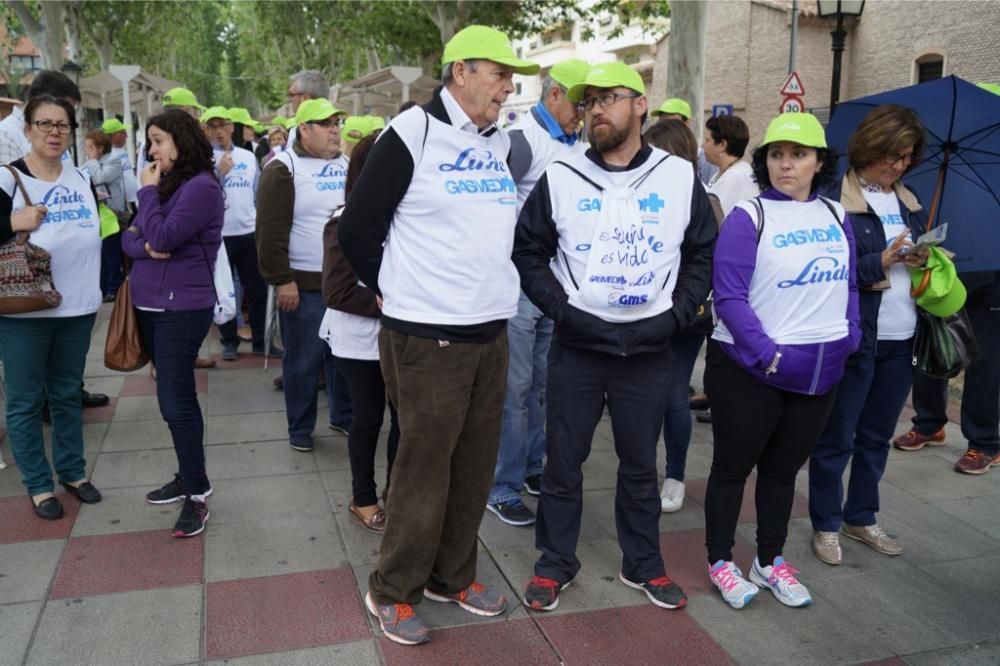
x: 570, y: 72
x: 112, y: 126
x: 479, y: 42
x: 992, y: 87
x: 355, y: 128
x: 674, y: 105
x: 290, y: 124
x: 257, y: 127
x: 608, y: 75
x: 214, y: 112
x: 279, y: 121
x: 240, y: 115
x: 377, y: 123
x: 944, y: 294
x: 180, y: 97
x: 801, y: 128
x: 315, y: 109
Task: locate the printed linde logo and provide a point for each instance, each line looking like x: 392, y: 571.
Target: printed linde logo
x: 831, y: 234
x: 472, y: 159
x: 64, y: 199
x: 326, y: 176
x: 817, y: 271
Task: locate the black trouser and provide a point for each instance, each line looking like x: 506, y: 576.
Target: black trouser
x: 635, y: 390
x: 242, y: 251
x: 367, y: 389
x: 981, y: 391
x: 755, y: 425
x: 172, y: 340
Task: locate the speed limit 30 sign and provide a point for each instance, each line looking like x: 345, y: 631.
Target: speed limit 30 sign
x: 791, y: 104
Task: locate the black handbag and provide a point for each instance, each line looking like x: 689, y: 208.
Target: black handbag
x: 944, y: 346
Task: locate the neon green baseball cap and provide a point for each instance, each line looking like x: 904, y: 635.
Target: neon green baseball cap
x: 479, y: 42
x: 240, y: 115
x: 181, y: 97
x: 992, y: 87
x: 355, y: 128
x: 570, y: 72
x: 214, y: 112
x: 279, y: 121
x: 942, y: 293
x: 257, y: 127
x: 674, y: 105
x: 608, y: 75
x: 801, y: 128
x: 377, y: 123
x: 316, y: 109
x: 112, y: 126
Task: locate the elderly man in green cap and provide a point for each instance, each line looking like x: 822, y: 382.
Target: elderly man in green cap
x: 548, y: 132
x: 615, y: 246
x: 119, y: 138
x: 430, y: 226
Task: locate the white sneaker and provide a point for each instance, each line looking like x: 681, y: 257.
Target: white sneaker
x: 735, y: 589
x: 780, y: 579
x: 672, y: 496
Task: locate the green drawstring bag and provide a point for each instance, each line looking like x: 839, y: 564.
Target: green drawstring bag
x: 936, y: 286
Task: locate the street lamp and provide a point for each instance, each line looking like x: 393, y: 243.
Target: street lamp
x: 838, y: 9
x: 72, y: 70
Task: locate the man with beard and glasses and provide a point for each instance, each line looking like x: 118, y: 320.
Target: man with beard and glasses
x: 614, y: 245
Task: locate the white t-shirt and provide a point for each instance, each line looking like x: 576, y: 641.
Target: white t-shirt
x: 131, y: 184
x: 240, y: 187
x: 733, y: 185
x: 70, y: 232
x: 897, y: 316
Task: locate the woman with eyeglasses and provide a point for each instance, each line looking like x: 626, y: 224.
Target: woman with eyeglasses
x: 886, y: 218
x: 44, y: 352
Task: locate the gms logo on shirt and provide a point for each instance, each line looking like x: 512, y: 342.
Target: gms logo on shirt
x: 66, y: 205
x: 474, y: 160
x: 330, y: 178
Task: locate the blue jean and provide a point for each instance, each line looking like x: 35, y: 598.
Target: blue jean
x: 870, y: 398
x: 305, y: 356
x: 242, y: 252
x: 522, y: 437
x: 172, y: 340
x: 45, y: 355
x: 684, y: 348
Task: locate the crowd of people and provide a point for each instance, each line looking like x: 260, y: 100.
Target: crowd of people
x: 497, y: 289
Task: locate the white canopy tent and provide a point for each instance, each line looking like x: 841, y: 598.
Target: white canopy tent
x: 381, y: 92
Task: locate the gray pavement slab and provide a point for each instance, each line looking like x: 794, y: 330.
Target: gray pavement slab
x: 125, y: 510
x: 355, y: 653
x: 147, y: 627
x: 977, y: 654
x: 137, y: 436
x: 135, y: 469
x: 17, y: 622
x: 243, y: 392
x: 268, y: 500
x: 252, y: 459
x: 262, y: 426
x: 932, y: 478
x: 143, y: 408
x: 979, y: 512
x: 26, y: 569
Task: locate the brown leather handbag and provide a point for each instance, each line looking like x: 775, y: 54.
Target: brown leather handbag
x: 25, y: 271
x: 123, y: 346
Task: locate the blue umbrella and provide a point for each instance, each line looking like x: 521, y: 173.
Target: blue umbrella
x: 958, y: 180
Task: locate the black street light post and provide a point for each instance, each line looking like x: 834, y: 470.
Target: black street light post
x: 73, y: 70
x: 838, y: 9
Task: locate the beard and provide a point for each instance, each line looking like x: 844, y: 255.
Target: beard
x: 609, y: 139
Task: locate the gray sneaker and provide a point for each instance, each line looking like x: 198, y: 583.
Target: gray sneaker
x: 399, y: 622
x: 874, y: 537
x: 826, y: 547
x: 477, y: 599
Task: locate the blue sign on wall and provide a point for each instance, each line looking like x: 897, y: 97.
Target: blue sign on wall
x: 722, y: 110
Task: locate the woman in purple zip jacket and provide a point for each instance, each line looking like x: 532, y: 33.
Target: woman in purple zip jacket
x: 787, y: 305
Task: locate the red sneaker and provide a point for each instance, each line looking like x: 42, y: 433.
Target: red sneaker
x: 914, y: 441
x: 542, y: 594
x: 976, y: 462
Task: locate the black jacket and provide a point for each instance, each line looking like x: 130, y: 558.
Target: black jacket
x: 536, y: 242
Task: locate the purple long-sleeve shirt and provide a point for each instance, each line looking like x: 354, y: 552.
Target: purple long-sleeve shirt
x: 188, y: 226
x: 804, y: 368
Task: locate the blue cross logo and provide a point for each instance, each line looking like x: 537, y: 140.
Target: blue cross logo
x: 653, y: 203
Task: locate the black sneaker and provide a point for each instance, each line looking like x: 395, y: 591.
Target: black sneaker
x: 533, y: 484
x: 194, y: 515
x: 304, y: 444
x: 171, y: 492
x: 662, y: 591
x: 343, y: 427
x: 542, y: 594
x: 704, y: 417
x: 512, y: 512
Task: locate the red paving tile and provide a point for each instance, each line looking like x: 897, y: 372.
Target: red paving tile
x: 604, y: 637
x: 144, y: 384
x: 258, y: 615
x: 18, y: 521
x: 131, y: 561
x: 687, y: 561
x: 695, y: 489
x: 487, y: 644
x: 100, y: 414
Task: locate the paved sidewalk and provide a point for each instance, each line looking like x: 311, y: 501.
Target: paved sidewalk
x: 279, y: 575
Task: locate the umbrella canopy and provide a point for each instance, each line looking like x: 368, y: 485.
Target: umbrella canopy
x: 958, y: 179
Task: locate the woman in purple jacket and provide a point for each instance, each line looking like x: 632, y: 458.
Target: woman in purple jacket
x: 787, y: 306
x: 174, y: 241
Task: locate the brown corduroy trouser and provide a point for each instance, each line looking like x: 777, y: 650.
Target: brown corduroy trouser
x: 450, y: 405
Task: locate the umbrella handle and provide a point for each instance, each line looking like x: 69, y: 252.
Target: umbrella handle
x: 925, y: 281
x: 938, y: 189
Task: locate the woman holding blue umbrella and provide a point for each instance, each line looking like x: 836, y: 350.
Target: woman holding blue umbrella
x: 886, y: 217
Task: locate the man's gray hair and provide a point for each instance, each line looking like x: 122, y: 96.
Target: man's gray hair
x: 448, y: 71
x: 548, y: 83
x: 312, y: 82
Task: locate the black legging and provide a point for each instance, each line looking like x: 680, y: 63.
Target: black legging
x: 364, y: 381
x: 755, y: 424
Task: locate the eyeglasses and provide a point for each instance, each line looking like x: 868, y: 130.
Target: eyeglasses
x: 47, y: 126
x: 605, y: 100
x: 332, y: 121
x: 217, y: 126
x: 293, y: 95
x: 893, y: 160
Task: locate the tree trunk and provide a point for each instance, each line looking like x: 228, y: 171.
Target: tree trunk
x: 686, y: 58
x: 46, y: 32
x: 73, y: 20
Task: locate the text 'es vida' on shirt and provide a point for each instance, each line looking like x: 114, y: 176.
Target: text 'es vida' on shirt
x: 70, y: 232
x: 897, y: 314
x: 240, y: 188
x: 319, y: 190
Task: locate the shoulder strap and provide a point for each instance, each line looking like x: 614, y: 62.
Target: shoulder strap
x: 20, y: 185
x: 760, y: 217
x: 833, y: 211
x: 641, y: 179
x: 580, y: 174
